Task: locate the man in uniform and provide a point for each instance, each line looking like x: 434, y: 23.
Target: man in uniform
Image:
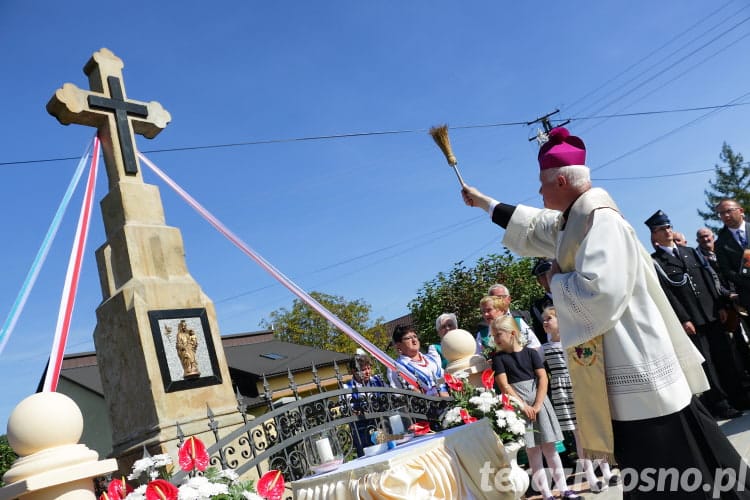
x: 633, y: 369
x: 691, y: 290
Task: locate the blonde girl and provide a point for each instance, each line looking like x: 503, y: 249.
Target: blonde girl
x: 519, y: 372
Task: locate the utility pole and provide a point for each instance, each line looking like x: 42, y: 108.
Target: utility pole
x: 542, y: 135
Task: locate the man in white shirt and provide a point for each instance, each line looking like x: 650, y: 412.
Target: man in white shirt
x: 500, y: 290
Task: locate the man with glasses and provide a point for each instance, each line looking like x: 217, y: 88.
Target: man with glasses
x: 732, y: 253
x: 730, y: 248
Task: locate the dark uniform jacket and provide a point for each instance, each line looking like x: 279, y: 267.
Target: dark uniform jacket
x: 729, y: 257
x: 693, y: 297
x: 537, y: 308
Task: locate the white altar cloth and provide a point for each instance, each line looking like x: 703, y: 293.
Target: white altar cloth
x: 446, y: 465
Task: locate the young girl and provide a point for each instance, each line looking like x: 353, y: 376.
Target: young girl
x: 519, y: 372
x: 561, y: 391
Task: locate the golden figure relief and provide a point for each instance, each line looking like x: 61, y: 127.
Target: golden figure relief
x: 187, y: 346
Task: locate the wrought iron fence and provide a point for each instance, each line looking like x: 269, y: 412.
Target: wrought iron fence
x: 284, y: 437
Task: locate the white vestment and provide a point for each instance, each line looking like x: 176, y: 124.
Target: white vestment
x: 608, y: 286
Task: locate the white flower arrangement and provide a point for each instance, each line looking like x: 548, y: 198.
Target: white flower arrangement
x: 504, y: 412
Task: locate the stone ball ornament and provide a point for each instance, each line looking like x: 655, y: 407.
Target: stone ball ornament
x: 458, y: 344
x: 29, y: 429
x: 460, y: 349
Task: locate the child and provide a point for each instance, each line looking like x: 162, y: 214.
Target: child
x: 561, y: 391
x: 519, y: 372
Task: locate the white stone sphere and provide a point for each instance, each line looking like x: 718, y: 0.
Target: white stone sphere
x: 458, y: 344
x: 44, y: 420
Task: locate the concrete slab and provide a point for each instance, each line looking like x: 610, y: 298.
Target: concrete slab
x: 737, y: 430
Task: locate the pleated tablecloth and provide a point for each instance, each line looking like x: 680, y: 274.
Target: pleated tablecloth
x: 446, y: 465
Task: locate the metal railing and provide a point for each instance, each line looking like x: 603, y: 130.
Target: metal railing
x: 284, y: 437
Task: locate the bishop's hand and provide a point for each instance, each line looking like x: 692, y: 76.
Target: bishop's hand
x: 475, y: 198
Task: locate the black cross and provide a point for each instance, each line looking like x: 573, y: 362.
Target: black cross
x: 122, y: 110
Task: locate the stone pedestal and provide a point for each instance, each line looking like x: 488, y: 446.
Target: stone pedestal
x: 44, y: 430
x: 143, y: 273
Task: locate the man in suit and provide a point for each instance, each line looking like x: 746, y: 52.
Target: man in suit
x: 691, y: 291
x: 730, y: 247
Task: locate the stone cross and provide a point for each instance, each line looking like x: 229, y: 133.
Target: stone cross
x: 107, y: 108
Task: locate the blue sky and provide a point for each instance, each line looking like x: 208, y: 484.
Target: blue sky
x: 370, y: 217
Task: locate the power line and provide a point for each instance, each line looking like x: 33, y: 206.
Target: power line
x: 691, y: 68
x: 653, y: 52
x: 667, y: 134
x: 379, y: 133
x: 664, y: 60
x: 641, y: 177
x: 669, y: 67
x: 658, y: 112
x: 676, y: 174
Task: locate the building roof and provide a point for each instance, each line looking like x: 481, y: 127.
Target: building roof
x: 275, y: 357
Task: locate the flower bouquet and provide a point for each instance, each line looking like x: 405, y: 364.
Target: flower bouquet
x: 472, y: 403
x: 212, y: 483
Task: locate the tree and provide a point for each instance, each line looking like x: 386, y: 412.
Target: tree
x: 732, y: 181
x: 303, y: 325
x: 460, y: 290
x: 7, y: 457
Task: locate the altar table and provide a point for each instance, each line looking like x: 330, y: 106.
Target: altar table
x: 445, y: 465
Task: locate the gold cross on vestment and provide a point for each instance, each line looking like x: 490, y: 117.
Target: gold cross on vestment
x: 107, y: 108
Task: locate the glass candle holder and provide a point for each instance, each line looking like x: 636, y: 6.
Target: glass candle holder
x: 326, y: 452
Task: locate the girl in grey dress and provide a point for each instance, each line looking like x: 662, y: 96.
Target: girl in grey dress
x: 519, y: 372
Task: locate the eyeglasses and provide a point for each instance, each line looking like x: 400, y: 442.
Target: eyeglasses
x: 409, y: 337
x: 727, y: 211
x: 449, y: 326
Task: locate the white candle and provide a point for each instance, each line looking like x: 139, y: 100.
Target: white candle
x: 397, y: 426
x: 324, y: 450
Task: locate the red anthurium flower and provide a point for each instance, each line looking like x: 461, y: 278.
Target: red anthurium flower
x: 468, y: 419
x: 104, y: 496
x: 507, y: 405
x: 453, y: 382
x: 118, y: 489
x: 488, y: 379
x: 160, y: 489
x: 271, y: 485
x: 420, y: 428
x: 193, y: 455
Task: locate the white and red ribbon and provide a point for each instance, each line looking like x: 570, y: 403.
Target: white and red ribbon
x: 374, y: 350
x: 41, y: 256
x: 70, y: 287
